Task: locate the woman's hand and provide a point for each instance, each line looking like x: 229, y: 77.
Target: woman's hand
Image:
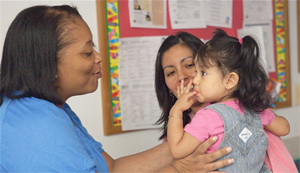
x: 200, y: 162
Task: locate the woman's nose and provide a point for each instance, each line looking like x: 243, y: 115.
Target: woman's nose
x: 183, y: 77
x: 98, y: 57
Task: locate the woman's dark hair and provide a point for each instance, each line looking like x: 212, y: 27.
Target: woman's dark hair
x: 165, y: 99
x: 242, y: 57
x: 31, y: 52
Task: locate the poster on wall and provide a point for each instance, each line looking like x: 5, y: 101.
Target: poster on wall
x: 147, y: 14
x: 139, y: 106
x: 187, y: 14
x: 218, y: 13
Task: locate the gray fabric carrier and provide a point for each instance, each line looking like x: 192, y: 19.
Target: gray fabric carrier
x: 247, y: 138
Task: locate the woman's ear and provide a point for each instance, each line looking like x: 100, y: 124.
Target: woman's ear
x: 231, y: 80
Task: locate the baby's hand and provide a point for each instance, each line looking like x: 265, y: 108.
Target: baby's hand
x: 184, y: 94
x: 182, y: 89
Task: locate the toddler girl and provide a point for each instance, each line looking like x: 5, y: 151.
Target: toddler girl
x: 231, y: 76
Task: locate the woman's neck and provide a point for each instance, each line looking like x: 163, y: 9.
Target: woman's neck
x: 60, y: 106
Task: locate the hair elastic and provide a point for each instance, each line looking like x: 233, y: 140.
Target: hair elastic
x: 241, y: 40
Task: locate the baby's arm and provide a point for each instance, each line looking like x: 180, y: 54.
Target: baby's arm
x: 181, y: 143
x: 279, y: 126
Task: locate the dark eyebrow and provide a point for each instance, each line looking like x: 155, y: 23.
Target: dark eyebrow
x: 185, y: 58
x: 181, y: 61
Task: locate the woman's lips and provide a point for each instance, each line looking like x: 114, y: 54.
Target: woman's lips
x: 98, y: 74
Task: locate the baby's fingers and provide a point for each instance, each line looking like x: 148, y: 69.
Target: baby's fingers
x: 178, y: 92
x: 182, y: 88
x: 188, y: 87
x: 191, y: 94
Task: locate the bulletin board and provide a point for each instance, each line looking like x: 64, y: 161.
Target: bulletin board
x: 113, y: 24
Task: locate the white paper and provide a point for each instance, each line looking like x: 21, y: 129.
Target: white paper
x: 268, y: 43
x: 187, y: 14
x: 257, y: 33
x: 257, y: 11
x: 218, y: 13
x: 139, y: 105
x: 147, y: 13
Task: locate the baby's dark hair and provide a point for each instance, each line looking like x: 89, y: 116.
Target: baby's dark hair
x: 242, y: 57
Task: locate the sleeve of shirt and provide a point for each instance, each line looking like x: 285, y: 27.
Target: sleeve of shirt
x: 204, y: 124
x: 266, y: 116
x: 45, y: 142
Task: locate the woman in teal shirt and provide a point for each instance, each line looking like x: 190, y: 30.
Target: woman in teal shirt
x: 48, y: 57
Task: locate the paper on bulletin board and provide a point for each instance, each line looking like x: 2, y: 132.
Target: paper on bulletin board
x: 257, y: 11
x: 187, y: 14
x: 218, y: 13
x: 268, y: 38
x: 257, y: 33
x: 139, y: 105
x: 147, y: 13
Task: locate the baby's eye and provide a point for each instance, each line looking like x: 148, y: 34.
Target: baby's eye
x: 203, y: 73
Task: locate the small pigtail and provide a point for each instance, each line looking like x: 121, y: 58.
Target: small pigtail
x: 253, y: 77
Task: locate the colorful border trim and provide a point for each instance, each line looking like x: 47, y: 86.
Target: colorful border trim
x: 113, y: 34
x: 280, y: 49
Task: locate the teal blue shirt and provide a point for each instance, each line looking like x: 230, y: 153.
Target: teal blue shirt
x: 37, y: 136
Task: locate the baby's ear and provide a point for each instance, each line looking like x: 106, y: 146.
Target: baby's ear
x: 231, y: 80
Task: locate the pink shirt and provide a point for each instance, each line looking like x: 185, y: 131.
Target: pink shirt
x: 207, y: 123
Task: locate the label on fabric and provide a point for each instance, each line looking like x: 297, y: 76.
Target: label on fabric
x: 245, y: 134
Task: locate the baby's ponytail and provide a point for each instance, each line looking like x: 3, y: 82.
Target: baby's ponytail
x: 253, y: 78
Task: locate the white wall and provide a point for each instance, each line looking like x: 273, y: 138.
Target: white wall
x: 89, y: 107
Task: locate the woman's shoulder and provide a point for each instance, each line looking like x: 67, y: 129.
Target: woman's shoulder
x: 31, y: 110
x: 30, y: 120
x: 32, y: 128
x: 29, y: 102
x: 32, y: 105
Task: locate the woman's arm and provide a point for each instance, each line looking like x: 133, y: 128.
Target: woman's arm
x: 279, y: 126
x: 148, y: 161
x: 158, y: 159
